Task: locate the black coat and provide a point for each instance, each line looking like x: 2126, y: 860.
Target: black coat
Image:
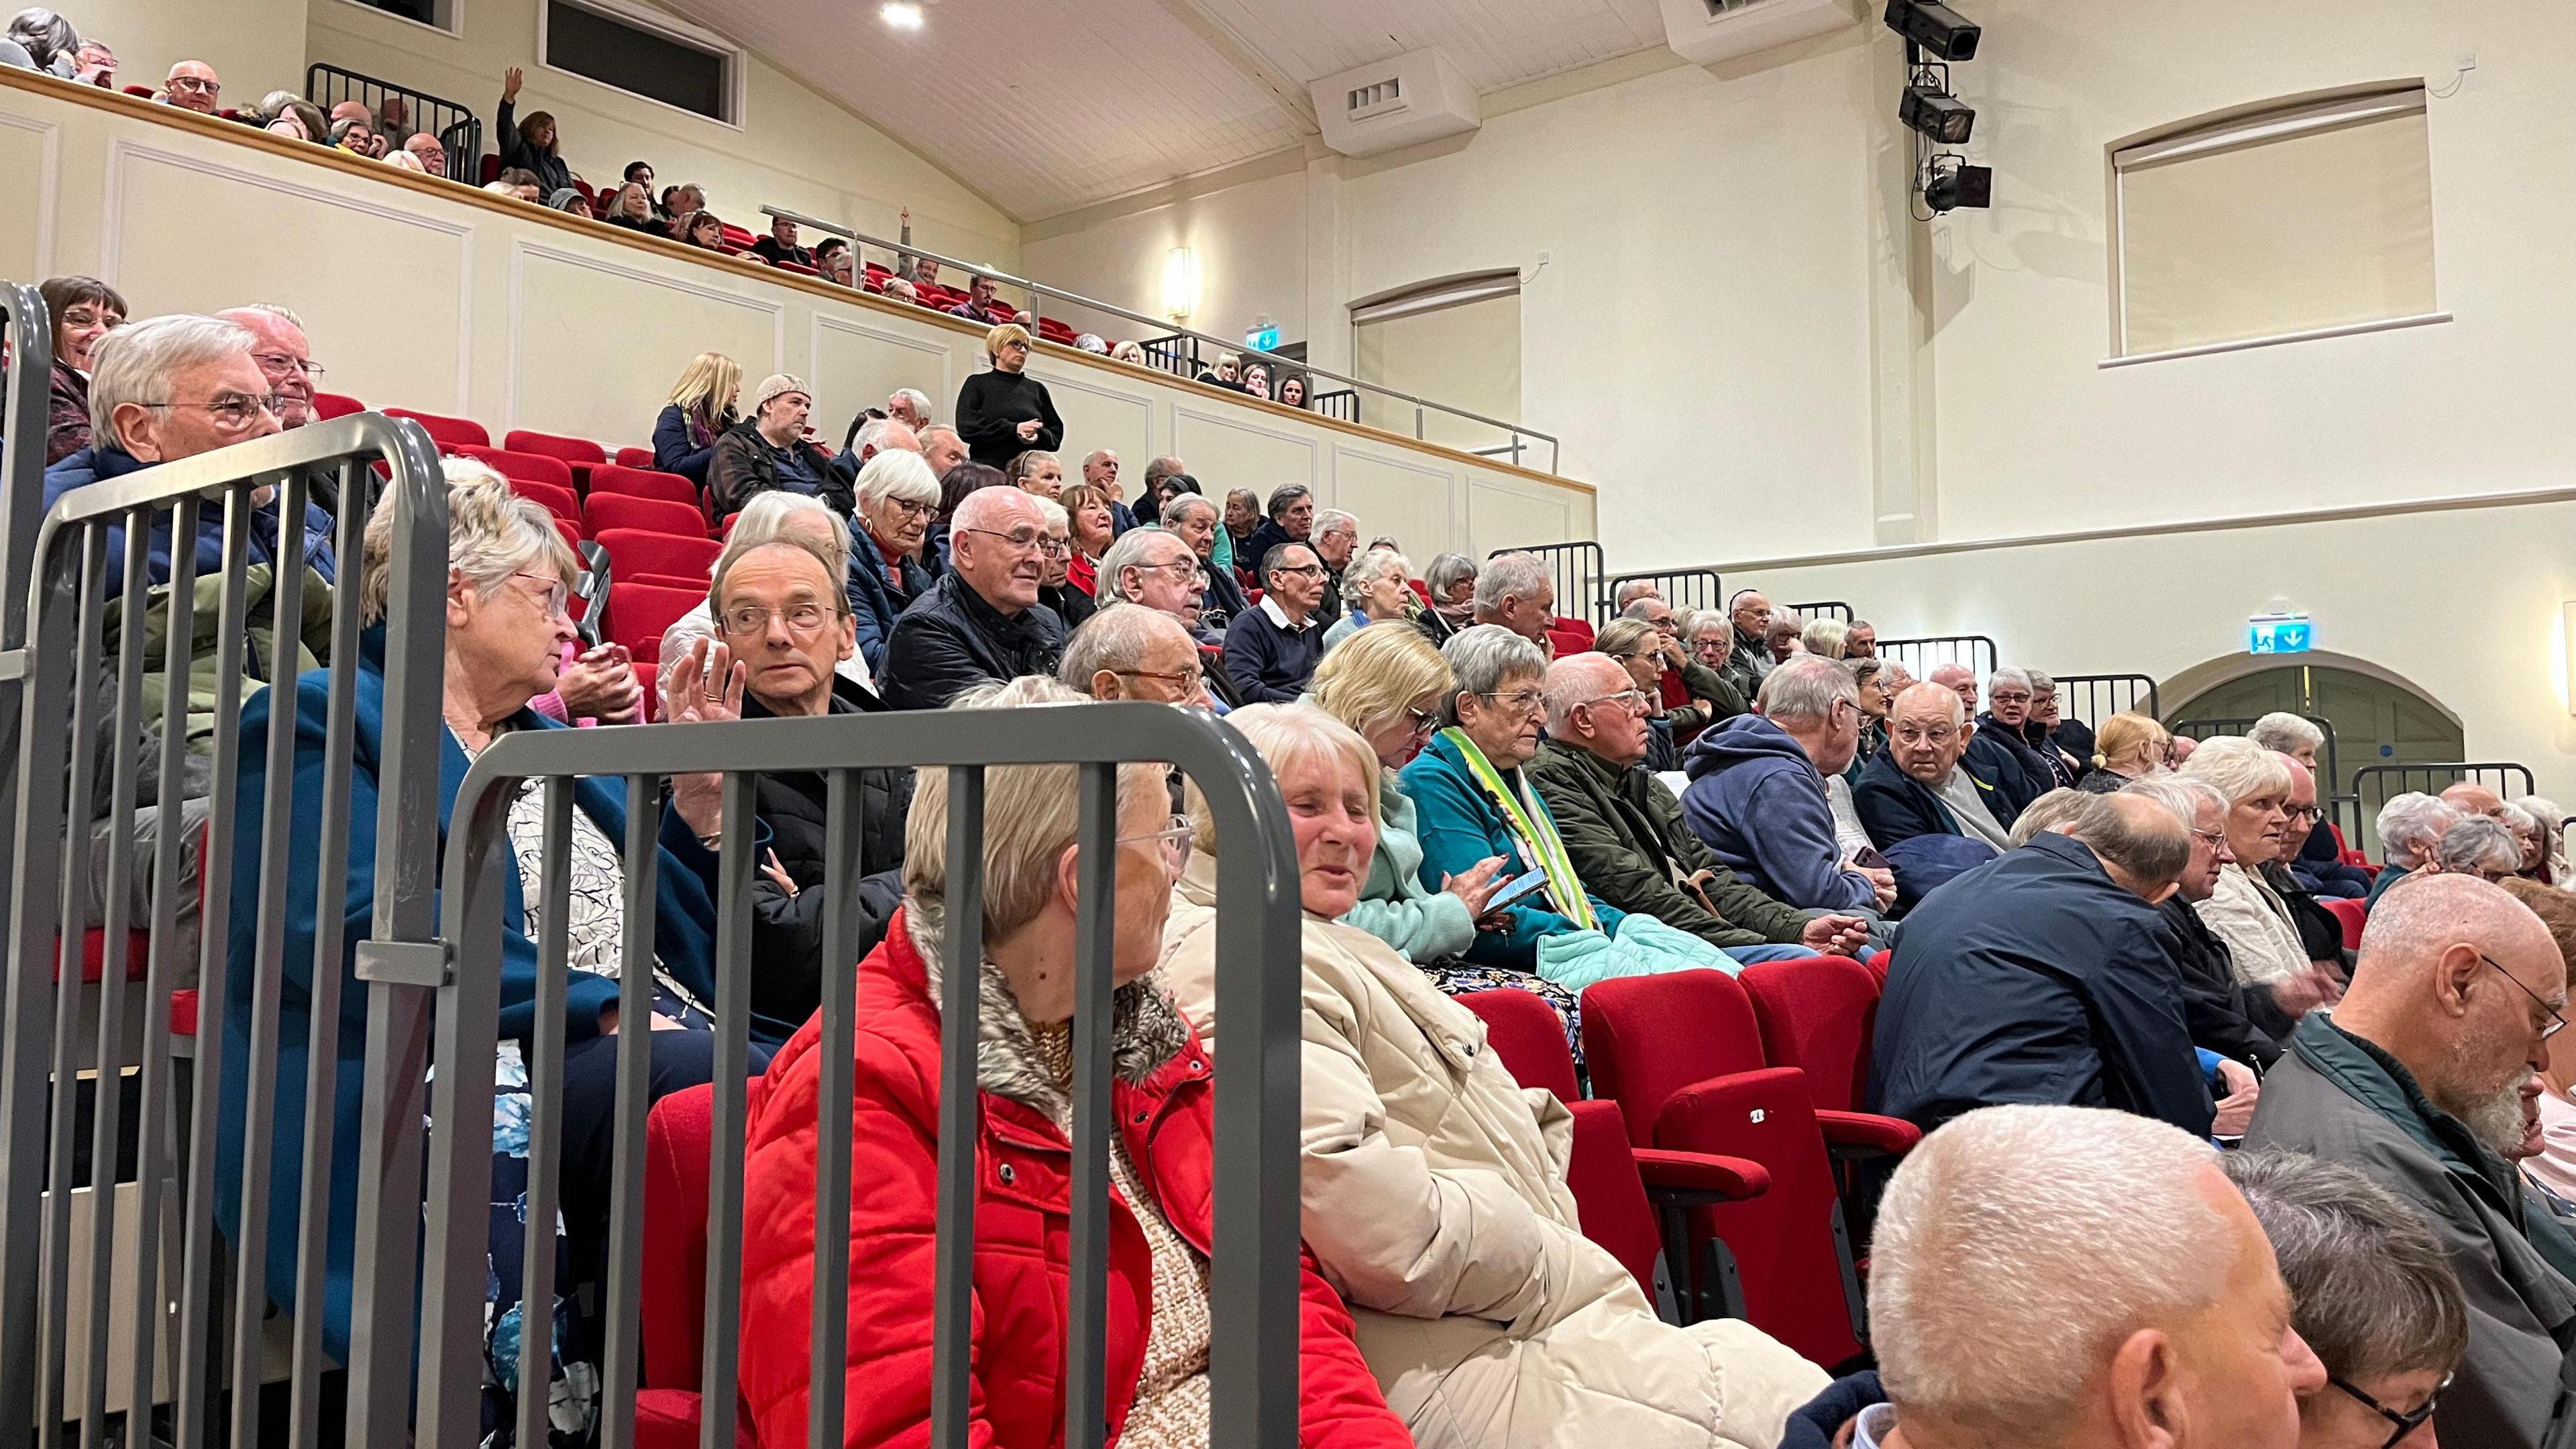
x: 2035, y: 979
x: 1895, y: 806
x: 2038, y: 777
x: 787, y: 931
x: 551, y: 172
x: 1222, y: 601
x: 744, y: 466
x: 2224, y: 1017
x: 950, y: 640
x: 2320, y: 930
x: 1071, y: 605
x: 991, y: 407
x: 1268, y: 664
x: 1250, y: 552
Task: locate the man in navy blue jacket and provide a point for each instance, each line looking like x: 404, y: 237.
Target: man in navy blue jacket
x: 1757, y: 790
x: 2047, y: 977
x: 1271, y: 649
x: 1931, y: 780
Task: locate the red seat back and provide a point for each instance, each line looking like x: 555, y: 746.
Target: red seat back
x: 645, y: 670
x: 634, y: 552
x: 558, y: 501
x: 1602, y: 1175
x: 634, y: 457
x: 329, y: 405
x: 643, y: 483
x: 679, y: 1142
x: 1817, y: 1015
x: 1576, y: 627
x: 571, y: 532
x: 452, y: 432
x: 1529, y: 1036
x: 571, y: 450
x: 2352, y: 913
x: 531, y: 467
x: 638, y: 613
x: 1647, y: 1037
x: 657, y: 515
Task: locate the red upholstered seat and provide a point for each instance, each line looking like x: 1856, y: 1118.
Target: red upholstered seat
x: 679, y: 1141
x: 93, y: 957
x: 638, y: 613
x: 1420, y: 589
x: 645, y: 670
x: 561, y: 502
x: 1565, y: 643
x: 1526, y: 1033
x: 571, y: 532
x: 450, y: 432
x: 635, y: 553
x: 551, y: 445
x: 644, y: 483
x: 1819, y: 1015
x: 491, y: 171
x: 329, y: 405
x: 658, y: 515
x: 1054, y: 331
x: 2352, y: 914
x: 1680, y: 1054
x: 531, y: 467
x: 1579, y: 628
x: 634, y: 458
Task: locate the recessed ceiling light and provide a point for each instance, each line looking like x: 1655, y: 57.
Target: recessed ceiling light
x: 901, y: 14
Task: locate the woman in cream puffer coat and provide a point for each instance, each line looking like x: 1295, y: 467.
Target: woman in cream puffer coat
x: 1434, y: 1186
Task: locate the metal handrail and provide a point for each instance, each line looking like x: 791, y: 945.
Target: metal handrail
x: 1041, y: 289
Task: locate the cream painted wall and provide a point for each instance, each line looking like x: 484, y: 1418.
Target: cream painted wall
x: 256, y: 46
x: 795, y: 149
x: 1249, y: 240
x: 518, y: 318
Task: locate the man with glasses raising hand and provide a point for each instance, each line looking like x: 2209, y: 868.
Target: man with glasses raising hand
x: 2425, y: 1079
x: 982, y: 622
x: 1271, y: 650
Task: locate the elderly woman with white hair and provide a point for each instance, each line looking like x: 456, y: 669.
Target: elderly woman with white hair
x: 508, y: 581
x: 1825, y: 638
x: 2479, y: 845
x: 897, y: 494
x: 1374, y: 591
x: 765, y: 519
x: 1161, y: 1161
x: 1451, y: 583
x: 2243, y: 909
x: 1433, y: 1187
x: 2316, y: 858
x: 2410, y: 828
x: 2550, y: 866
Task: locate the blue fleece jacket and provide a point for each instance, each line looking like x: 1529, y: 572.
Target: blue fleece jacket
x: 1757, y: 800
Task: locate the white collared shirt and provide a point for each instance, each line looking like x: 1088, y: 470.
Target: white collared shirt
x: 1279, y: 616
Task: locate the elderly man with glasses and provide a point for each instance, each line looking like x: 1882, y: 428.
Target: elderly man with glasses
x: 2424, y: 1079
x: 1271, y: 649
x: 1623, y: 829
x: 193, y: 86
x: 285, y: 358
x: 1155, y: 567
x: 981, y: 623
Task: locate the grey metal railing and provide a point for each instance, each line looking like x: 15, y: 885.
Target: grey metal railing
x: 1577, y: 571
x: 2094, y: 698
x: 1923, y: 655
x: 2374, y: 785
x: 1254, y: 1272
x: 1695, y: 588
x: 1822, y: 609
x: 458, y: 129
x: 1038, y: 292
x: 62, y: 725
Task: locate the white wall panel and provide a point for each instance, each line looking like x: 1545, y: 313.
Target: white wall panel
x: 1415, y: 503
x: 575, y: 370
x: 1097, y: 414
x: 30, y: 153
x: 1226, y: 452
x: 858, y: 362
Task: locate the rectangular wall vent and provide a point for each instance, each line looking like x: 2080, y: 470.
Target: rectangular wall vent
x: 1376, y: 99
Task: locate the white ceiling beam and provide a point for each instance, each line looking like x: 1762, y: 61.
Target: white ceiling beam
x: 1288, y: 92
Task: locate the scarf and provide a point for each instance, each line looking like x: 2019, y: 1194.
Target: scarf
x: 1531, y: 826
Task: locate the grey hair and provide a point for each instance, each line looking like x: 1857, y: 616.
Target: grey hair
x: 2060, y: 806
x: 767, y: 517
x: 1283, y: 496
x: 2008, y: 675
x: 1999, y: 1279
x: 896, y: 475
x: 870, y: 433
x: 44, y: 34
x: 2156, y: 849
x: 2370, y: 1288
x: 1483, y: 656
x: 492, y: 533
x: 1705, y: 619
x: 2238, y: 766
x: 2476, y: 842
x: 2286, y: 732
x: 136, y: 363
x: 1806, y: 688
x: 1329, y: 519
x: 1183, y: 504
x: 2041, y: 682
x: 1368, y: 568
x: 1135, y: 549
x: 1784, y: 621
x: 917, y: 398
x: 835, y: 564
x: 1506, y: 577
x: 1633, y: 590
x: 2181, y: 794
x: 1446, y: 571
x: 1827, y: 638
x: 1641, y: 608
x: 1115, y: 639
x: 2414, y: 822
x: 1576, y: 680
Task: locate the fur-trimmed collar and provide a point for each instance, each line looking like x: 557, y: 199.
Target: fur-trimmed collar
x: 1148, y: 1032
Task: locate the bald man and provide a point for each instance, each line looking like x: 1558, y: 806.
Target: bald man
x: 982, y: 622
x: 2044, y: 977
x: 2425, y: 1079
x: 2474, y: 799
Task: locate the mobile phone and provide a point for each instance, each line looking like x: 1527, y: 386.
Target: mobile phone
x: 1517, y: 890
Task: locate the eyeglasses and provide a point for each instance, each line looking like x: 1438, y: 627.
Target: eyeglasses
x: 1423, y: 721
x: 232, y: 410
x: 2213, y: 838
x: 1908, y: 735
x: 2557, y: 1023
x: 1307, y: 571
x: 2309, y: 813
x: 76, y: 317
x: 804, y: 620
x: 557, y: 597
x: 280, y: 362
x: 910, y: 509
x: 1523, y: 701
x: 1634, y: 701
x: 1021, y: 540
x: 2406, y: 1423
x: 1185, y: 683
x: 1173, y: 841
x: 193, y: 85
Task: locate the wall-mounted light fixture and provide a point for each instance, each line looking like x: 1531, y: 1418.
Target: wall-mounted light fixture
x: 1180, y: 284
x: 2567, y: 646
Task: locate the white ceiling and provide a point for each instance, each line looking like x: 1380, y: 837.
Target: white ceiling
x: 1050, y: 106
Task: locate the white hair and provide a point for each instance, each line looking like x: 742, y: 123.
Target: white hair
x: 1825, y: 638
x: 2286, y: 732
x: 2479, y: 842
x: 1506, y: 577
x: 2018, y: 1246
x: 2239, y: 766
x: 1484, y: 657
x: 140, y: 363
x: 492, y: 533
x: 1332, y: 518
x: 1372, y: 565
x: 1806, y: 688
x: 916, y: 397
x: 2008, y: 675
x: 896, y: 475
x: 1116, y: 639
x: 2414, y: 821
x: 1633, y: 590
x: 1578, y: 679
x: 2181, y: 794
x: 768, y: 517
x: 1135, y: 549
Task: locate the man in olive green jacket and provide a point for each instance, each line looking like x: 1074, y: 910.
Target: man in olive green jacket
x: 1623, y: 829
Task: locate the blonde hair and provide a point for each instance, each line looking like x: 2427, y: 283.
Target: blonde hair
x: 1031, y: 815
x: 2242, y: 768
x: 1621, y: 637
x: 492, y: 533
x: 1003, y: 336
x: 707, y: 386
x: 1827, y: 637
x: 1285, y: 733
x: 2126, y: 734
x: 1367, y: 680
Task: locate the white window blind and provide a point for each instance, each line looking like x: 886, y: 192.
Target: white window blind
x: 2286, y: 222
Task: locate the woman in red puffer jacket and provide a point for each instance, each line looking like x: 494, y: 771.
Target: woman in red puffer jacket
x: 1161, y: 1162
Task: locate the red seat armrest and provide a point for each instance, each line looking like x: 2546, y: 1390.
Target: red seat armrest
x: 1868, y: 1131
x: 1732, y: 1178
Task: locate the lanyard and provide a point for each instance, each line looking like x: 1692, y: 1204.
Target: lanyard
x: 1529, y: 822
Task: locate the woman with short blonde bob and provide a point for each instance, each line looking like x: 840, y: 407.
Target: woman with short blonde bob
x: 2244, y: 911
x: 1003, y: 412
x: 702, y: 407
x: 1830, y: 638
x: 2129, y: 746
x: 1430, y: 1190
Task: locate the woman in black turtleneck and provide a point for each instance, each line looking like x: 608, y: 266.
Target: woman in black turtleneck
x: 1005, y: 412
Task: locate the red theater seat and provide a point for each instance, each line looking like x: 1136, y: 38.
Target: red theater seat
x: 644, y: 483
x: 635, y: 554
x: 1820, y: 1016
x: 679, y: 1143
x: 2352, y: 914
x: 638, y: 613
x: 551, y: 445
x: 526, y: 467
x: 561, y: 502
x: 329, y: 405
x: 450, y: 432
x: 657, y: 515
x: 634, y: 457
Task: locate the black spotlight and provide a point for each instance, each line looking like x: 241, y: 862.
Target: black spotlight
x: 1956, y: 186
x: 1937, y: 114
x: 1942, y: 31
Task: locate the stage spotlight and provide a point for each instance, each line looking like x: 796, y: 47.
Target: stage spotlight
x: 1940, y: 30
x: 1953, y: 187
x: 1937, y: 114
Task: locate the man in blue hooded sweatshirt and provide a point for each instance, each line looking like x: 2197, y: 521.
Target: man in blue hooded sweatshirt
x: 1757, y: 790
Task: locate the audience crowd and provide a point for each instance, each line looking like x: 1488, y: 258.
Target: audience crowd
x: 2190, y: 1172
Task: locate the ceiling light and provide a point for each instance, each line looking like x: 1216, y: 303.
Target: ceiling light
x: 1937, y: 114
x: 1944, y: 32
x: 901, y: 14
